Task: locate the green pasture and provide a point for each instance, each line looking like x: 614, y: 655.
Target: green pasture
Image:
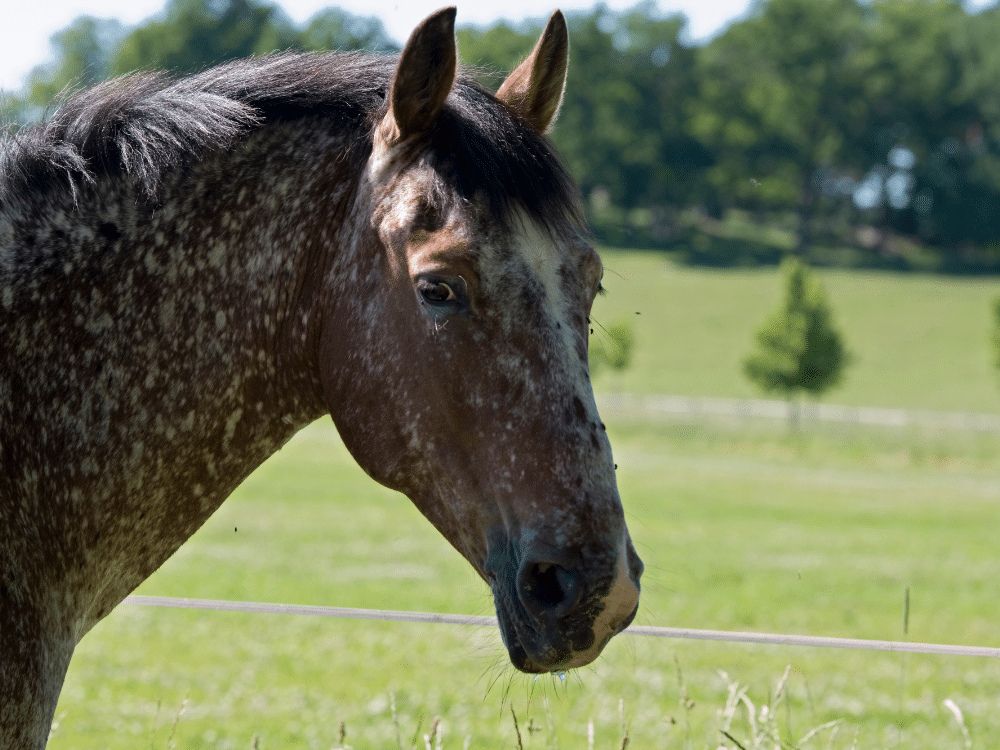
x: 740, y: 526
x: 919, y: 341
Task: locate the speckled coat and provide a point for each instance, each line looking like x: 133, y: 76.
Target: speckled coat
x: 192, y: 270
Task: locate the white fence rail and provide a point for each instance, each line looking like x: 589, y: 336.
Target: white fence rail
x: 662, y: 406
x: 771, y: 639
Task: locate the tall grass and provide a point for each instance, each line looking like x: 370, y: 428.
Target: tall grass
x: 741, y: 722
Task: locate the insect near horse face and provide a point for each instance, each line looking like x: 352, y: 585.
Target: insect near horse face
x: 192, y: 270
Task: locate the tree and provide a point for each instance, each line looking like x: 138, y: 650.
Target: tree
x: 336, y: 29
x: 931, y: 83
x: 781, y: 105
x: 624, y: 127
x: 196, y: 34
x: 192, y: 35
x: 84, y: 56
x: 799, y: 348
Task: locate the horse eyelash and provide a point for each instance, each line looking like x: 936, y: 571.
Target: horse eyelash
x: 601, y: 290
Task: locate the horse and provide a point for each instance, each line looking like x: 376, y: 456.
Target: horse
x: 194, y: 268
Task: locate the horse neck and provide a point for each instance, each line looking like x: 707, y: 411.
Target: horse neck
x: 245, y: 242
x: 157, y: 355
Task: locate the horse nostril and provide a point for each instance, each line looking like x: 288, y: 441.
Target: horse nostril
x: 547, y: 588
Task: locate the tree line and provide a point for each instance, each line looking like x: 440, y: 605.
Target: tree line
x: 837, y: 130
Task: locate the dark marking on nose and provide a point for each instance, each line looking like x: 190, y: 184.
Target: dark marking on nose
x: 547, y: 589
x: 109, y: 231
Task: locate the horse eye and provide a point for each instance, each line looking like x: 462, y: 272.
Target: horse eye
x: 437, y: 293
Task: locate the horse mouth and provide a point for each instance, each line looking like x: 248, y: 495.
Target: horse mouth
x: 536, y: 646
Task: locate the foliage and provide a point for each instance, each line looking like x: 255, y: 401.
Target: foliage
x: 780, y: 99
x: 853, y: 116
x: 15, y: 110
x: 336, y: 29
x: 622, y: 127
x: 84, y: 56
x: 932, y: 156
x: 192, y: 35
x: 799, y: 349
x: 496, y: 51
x: 195, y: 34
x: 865, y: 122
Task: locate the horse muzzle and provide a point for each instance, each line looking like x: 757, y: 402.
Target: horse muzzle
x: 558, y: 610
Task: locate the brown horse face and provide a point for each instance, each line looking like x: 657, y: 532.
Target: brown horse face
x: 464, y: 384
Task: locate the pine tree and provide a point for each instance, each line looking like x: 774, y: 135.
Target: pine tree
x: 798, y: 347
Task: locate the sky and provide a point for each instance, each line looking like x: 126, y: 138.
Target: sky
x: 26, y: 25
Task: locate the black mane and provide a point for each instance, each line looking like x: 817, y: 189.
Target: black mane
x: 146, y: 125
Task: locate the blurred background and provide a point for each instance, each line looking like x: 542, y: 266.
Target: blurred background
x: 852, y: 133
x: 795, y: 200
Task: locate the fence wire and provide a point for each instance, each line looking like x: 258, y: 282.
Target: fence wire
x: 770, y: 639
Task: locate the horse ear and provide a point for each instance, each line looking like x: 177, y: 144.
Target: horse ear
x: 535, y: 89
x: 424, y: 76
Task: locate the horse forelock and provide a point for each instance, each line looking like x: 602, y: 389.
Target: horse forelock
x: 481, y: 147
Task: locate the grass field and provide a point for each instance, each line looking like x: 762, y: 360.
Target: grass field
x: 742, y: 527
x: 919, y: 342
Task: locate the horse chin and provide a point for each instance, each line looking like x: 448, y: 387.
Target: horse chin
x: 520, y: 637
x: 537, y: 647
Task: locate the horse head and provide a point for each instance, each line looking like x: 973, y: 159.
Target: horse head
x: 458, y: 371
